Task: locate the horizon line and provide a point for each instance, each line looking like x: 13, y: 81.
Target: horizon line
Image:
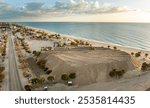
x: 69, y: 22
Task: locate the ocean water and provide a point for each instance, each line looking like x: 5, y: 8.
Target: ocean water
x: 135, y: 35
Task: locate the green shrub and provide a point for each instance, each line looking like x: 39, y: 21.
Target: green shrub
x: 87, y: 43
x: 34, y: 81
x: 112, y: 73
x: 73, y: 43
x: 3, y: 54
x: 120, y: 73
x: 38, y: 80
x: 28, y: 51
x: 26, y: 74
x: 41, y: 80
x: 146, y: 55
x: 48, y: 72
x: 36, y: 53
x: 28, y: 87
x: 50, y: 78
x: 132, y: 53
x: 41, y: 63
x: 72, y: 75
x: 138, y: 54
x: 2, y: 69
x: 2, y: 76
x: 115, y: 48
x: 145, y: 66
x: 45, y: 69
x: 116, y: 73
x: 65, y: 77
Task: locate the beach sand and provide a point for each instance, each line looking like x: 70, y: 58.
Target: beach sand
x: 93, y: 66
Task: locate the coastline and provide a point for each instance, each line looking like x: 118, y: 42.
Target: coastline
x: 95, y: 43
x: 88, y: 36
x: 98, y: 63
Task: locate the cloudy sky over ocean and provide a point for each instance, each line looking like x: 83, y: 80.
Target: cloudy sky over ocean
x: 75, y: 10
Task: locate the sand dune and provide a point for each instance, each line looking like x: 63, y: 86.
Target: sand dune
x: 91, y: 66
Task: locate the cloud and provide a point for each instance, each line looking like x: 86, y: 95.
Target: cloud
x: 113, y: 9
x: 5, y: 10
x: 38, y: 10
x: 4, y: 7
x: 82, y: 5
x: 85, y: 7
x: 59, y: 5
x: 9, y: 13
x: 33, y: 6
x: 75, y: 7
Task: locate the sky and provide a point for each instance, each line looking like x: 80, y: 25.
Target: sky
x: 75, y: 10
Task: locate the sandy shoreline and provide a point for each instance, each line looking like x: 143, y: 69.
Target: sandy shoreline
x: 93, y: 42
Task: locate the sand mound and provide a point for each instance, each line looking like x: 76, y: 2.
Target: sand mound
x: 91, y: 66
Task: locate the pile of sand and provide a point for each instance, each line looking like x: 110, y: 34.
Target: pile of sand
x: 90, y: 66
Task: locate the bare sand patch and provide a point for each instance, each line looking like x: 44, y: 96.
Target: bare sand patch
x: 38, y: 44
x: 91, y: 66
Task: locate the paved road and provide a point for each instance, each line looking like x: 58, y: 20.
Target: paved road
x: 14, y: 78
